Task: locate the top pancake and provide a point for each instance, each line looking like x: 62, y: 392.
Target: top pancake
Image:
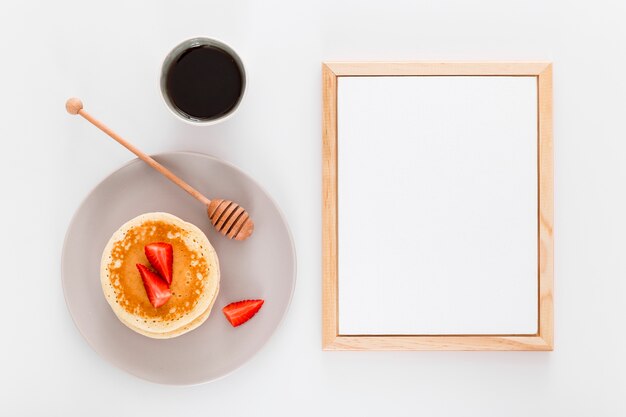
x: 195, y: 280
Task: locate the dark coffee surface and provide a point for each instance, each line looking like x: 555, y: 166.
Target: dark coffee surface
x: 204, y: 82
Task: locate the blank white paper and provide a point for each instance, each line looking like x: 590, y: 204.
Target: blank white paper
x: 437, y: 205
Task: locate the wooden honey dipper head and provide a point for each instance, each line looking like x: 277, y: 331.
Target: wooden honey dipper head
x: 230, y: 219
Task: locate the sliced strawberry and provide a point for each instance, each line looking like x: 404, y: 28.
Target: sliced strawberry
x: 241, y: 311
x: 157, y: 290
x: 161, y: 257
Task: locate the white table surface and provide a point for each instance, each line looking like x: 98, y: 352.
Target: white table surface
x: 109, y: 53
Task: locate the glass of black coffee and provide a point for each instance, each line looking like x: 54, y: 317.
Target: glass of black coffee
x: 203, y: 81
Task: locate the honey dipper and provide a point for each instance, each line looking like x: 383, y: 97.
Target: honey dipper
x: 230, y: 219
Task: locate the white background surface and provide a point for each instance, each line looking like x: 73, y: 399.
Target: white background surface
x: 109, y: 54
x: 437, y: 183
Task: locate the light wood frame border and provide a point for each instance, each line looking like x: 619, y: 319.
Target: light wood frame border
x: 331, y: 339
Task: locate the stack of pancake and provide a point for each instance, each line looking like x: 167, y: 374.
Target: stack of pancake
x: 195, y: 280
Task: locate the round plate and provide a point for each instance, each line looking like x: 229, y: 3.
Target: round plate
x: 263, y: 266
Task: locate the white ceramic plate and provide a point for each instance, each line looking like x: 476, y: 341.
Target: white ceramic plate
x: 263, y: 266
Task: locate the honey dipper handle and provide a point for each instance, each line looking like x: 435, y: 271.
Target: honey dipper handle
x: 75, y: 106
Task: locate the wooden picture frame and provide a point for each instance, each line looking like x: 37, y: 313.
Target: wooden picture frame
x: 543, y: 339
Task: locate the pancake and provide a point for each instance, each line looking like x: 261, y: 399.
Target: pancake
x: 195, y: 280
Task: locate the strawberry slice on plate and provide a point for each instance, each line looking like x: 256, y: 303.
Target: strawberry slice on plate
x: 240, y: 312
x: 161, y: 257
x: 157, y: 290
